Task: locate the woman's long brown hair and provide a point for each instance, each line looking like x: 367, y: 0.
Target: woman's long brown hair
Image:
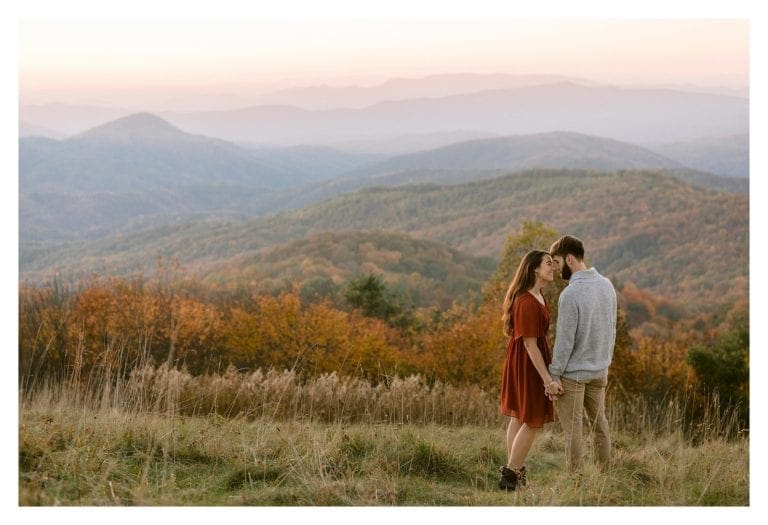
x: 524, y: 279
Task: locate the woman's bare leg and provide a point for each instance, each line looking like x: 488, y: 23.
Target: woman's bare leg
x: 512, y: 429
x: 521, y: 445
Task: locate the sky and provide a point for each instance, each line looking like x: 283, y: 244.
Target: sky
x: 134, y: 61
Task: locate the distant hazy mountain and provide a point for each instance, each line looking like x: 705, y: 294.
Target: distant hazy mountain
x: 730, y: 91
x: 138, y: 167
x: 411, y: 142
x: 31, y: 130
x: 68, y: 119
x: 433, y: 86
x: 640, y: 115
x: 726, y: 156
x: 519, y: 152
x: 644, y: 227
x: 490, y: 158
x: 141, y: 171
x: 633, y: 115
x: 314, y: 162
x: 142, y: 151
x: 139, y: 152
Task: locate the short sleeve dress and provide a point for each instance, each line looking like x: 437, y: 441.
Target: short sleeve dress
x: 522, y: 389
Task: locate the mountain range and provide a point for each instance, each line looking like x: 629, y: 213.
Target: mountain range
x: 503, y: 106
x: 141, y: 167
x: 311, y: 184
x: 140, y: 170
x: 652, y: 229
x: 324, y: 97
x: 520, y: 152
x: 626, y: 114
x: 474, y: 160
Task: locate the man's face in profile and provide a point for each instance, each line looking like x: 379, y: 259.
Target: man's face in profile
x: 559, y: 263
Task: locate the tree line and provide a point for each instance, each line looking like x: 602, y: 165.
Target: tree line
x: 109, y: 326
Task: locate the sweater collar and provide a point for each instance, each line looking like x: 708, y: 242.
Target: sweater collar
x: 589, y: 273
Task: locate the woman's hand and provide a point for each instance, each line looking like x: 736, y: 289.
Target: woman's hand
x: 553, y: 390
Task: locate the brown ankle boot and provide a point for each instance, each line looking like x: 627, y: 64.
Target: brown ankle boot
x: 509, y: 479
x: 522, y: 477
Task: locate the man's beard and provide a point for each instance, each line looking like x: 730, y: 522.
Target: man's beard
x: 566, y: 272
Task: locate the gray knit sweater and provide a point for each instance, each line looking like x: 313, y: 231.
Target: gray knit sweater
x: 586, y: 328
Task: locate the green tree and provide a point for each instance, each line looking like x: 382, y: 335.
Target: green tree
x: 723, y: 366
x: 532, y: 236
x: 369, y: 294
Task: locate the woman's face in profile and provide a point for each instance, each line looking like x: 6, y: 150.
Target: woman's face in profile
x: 546, y: 269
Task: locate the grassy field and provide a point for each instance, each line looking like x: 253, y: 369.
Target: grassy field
x: 74, y: 451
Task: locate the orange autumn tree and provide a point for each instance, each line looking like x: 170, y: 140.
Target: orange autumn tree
x: 113, y: 321
x: 469, y: 350
x: 118, y: 324
x: 45, y: 314
x: 655, y: 368
x: 282, y: 333
x: 194, y: 333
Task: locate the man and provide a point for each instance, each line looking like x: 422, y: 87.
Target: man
x: 586, y: 332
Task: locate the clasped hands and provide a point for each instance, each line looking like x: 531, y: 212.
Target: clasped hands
x: 554, y: 390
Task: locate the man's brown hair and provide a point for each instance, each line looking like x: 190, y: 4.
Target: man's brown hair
x: 567, y: 244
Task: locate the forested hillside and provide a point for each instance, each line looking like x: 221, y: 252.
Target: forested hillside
x: 140, y: 170
x: 727, y: 156
x: 424, y: 273
x: 643, y: 227
x: 488, y: 158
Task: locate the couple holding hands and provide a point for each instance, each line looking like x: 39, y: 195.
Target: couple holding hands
x: 571, y: 379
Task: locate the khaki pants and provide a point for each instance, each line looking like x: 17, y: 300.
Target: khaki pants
x: 570, y: 407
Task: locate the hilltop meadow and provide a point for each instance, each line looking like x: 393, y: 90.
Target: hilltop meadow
x: 328, y: 442
x: 170, y: 391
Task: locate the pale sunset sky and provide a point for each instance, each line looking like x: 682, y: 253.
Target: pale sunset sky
x: 132, y: 61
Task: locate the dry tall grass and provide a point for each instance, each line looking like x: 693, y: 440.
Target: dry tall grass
x: 161, y: 436
x: 334, y: 398
x: 279, y: 396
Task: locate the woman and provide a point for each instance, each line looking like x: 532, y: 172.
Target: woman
x: 527, y: 388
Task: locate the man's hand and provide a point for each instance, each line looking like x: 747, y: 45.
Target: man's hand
x: 554, y: 390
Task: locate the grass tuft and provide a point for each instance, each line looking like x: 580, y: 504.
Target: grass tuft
x: 428, y: 460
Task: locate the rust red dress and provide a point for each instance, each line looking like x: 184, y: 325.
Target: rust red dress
x: 522, y: 389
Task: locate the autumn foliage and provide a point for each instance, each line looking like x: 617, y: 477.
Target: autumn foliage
x: 109, y: 327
